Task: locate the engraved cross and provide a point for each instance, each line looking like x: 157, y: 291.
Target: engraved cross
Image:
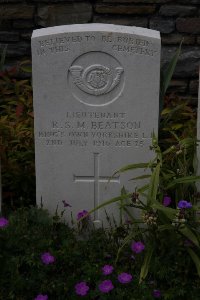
x: 96, y: 179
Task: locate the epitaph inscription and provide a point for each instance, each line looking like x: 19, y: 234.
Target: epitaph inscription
x: 96, y: 90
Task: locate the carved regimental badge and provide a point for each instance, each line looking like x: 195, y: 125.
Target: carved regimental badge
x: 96, y: 78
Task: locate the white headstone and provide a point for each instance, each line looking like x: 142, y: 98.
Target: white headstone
x: 96, y: 95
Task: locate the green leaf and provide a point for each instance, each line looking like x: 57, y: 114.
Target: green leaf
x: 27, y: 69
x: 123, y: 192
x: 166, y: 76
x: 167, y: 211
x: 145, y: 267
x: 195, y: 259
x: 113, y: 200
x: 189, y: 234
x: 132, y: 167
x: 182, y: 180
x: 165, y: 227
x: 142, y: 189
x: 153, y: 186
x: 140, y: 177
x: 127, y: 239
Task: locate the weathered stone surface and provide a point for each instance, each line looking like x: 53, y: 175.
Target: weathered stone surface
x: 9, y: 36
x: 69, y: 13
x: 11, y: 1
x: 162, y: 25
x: 175, y: 38
x: 26, y: 35
x: 188, y: 1
x: 125, y: 9
x: 177, y: 86
x: 22, y: 24
x: 177, y: 10
x: 17, y: 50
x: 188, y: 63
x: 138, y: 22
x: 138, y: 1
x: 5, y: 25
x: 59, y: 1
x: 15, y: 11
x: 94, y: 86
x: 193, y: 87
x: 189, y: 25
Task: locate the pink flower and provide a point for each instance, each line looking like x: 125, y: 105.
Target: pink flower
x: 81, y: 214
x: 47, y: 258
x: 125, y: 278
x: 106, y: 286
x: 107, y: 270
x: 156, y: 293
x: 167, y: 200
x: 137, y: 247
x: 81, y: 288
x: 41, y: 297
x: 3, y: 222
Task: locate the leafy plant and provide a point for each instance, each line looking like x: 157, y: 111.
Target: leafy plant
x: 17, y: 143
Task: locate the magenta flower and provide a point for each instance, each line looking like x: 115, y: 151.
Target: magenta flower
x: 47, y: 258
x: 81, y: 214
x: 41, y: 297
x: 137, y: 247
x: 107, y: 270
x: 184, y: 204
x: 82, y: 288
x: 156, y: 293
x: 3, y: 222
x: 106, y: 286
x: 125, y: 278
x: 167, y: 200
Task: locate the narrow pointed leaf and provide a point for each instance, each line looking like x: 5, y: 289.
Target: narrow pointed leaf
x: 187, y: 179
x: 153, y: 186
x: 113, y: 200
x: 145, y: 267
x: 167, y: 211
x: 132, y: 167
x: 140, y: 177
x: 195, y: 259
x: 189, y: 234
x: 167, y: 74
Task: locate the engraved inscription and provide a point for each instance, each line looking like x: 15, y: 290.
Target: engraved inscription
x: 99, y: 129
x: 65, y: 43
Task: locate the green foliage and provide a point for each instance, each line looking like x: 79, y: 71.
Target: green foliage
x: 78, y: 257
x: 17, y: 144
x: 166, y: 75
x: 172, y: 237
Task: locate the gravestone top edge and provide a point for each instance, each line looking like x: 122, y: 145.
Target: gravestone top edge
x: 96, y: 27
